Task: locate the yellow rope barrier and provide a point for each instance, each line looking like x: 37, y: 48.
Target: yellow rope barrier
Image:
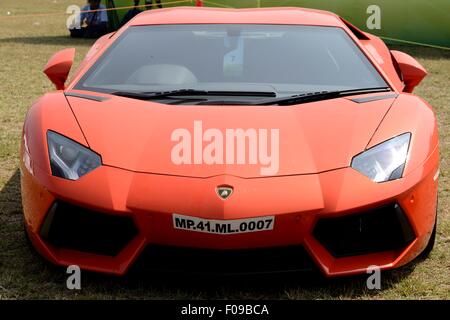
x: 415, y: 43
x: 88, y: 11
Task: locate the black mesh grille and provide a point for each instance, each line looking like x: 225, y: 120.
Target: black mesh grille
x: 72, y: 227
x: 239, y: 261
x: 382, y: 229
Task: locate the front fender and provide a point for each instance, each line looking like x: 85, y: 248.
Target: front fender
x: 50, y: 112
x: 410, y: 113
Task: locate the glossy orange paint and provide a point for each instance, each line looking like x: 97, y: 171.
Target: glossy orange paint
x: 58, y: 67
x: 317, y: 143
x: 303, y: 148
x: 413, y: 72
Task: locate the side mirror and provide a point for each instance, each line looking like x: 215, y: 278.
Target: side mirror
x: 412, y: 72
x: 58, y: 67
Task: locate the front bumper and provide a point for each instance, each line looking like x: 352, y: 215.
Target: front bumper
x: 297, y: 202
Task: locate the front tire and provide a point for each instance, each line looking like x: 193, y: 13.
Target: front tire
x: 426, y: 252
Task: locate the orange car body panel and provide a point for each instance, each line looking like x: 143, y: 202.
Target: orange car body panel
x: 57, y: 68
x: 416, y: 72
x: 303, y: 147
x: 317, y: 143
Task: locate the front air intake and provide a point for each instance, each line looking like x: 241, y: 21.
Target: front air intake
x: 71, y: 227
x: 382, y: 229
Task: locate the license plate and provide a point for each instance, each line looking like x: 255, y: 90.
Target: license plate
x: 223, y: 226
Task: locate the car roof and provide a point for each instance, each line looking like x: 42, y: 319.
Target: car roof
x: 206, y: 15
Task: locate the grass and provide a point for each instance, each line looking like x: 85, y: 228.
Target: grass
x: 25, y: 46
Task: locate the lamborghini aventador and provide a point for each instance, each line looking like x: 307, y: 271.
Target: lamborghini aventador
x: 224, y: 140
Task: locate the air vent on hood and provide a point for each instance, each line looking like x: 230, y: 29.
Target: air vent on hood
x: 85, y: 96
x: 374, y: 98
x: 361, y: 35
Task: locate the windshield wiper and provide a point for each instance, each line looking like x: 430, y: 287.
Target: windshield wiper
x: 155, y: 95
x: 316, y: 96
x: 182, y: 93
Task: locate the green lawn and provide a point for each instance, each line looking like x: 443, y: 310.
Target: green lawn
x: 25, y: 45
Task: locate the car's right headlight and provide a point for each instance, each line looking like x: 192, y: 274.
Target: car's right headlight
x: 69, y: 159
x: 385, y: 161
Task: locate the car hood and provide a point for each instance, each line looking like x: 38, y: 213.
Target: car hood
x: 149, y: 137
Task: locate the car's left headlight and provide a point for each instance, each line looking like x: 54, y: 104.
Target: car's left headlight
x: 69, y: 159
x: 385, y: 161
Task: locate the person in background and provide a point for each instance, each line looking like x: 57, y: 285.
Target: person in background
x: 93, y: 24
x: 131, y: 13
x: 150, y: 4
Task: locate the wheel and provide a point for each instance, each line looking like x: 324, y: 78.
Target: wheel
x: 27, y: 236
x: 426, y: 252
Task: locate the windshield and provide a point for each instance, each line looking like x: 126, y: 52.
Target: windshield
x: 284, y: 59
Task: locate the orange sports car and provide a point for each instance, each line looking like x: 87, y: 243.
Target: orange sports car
x: 222, y: 140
